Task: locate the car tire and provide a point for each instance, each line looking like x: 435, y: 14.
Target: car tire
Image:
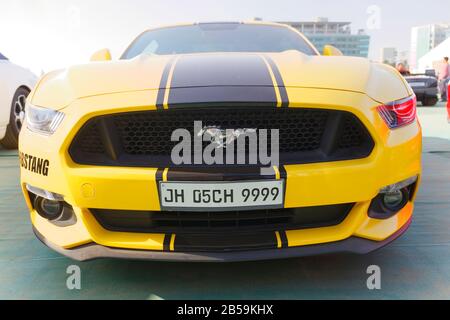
x: 17, y: 116
x: 429, y: 102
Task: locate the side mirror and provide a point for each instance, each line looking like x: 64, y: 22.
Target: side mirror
x: 102, y: 55
x: 331, y: 51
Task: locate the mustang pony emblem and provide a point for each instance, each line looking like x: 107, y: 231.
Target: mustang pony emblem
x: 224, y: 137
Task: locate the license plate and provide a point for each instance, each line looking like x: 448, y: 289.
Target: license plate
x: 417, y: 84
x: 222, y: 196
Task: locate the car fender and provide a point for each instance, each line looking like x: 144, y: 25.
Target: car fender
x: 12, y: 77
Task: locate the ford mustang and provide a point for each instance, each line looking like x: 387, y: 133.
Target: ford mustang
x: 220, y: 142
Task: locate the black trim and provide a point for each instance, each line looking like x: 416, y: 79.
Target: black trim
x: 212, y: 222
x: 163, y: 84
x: 334, y: 128
x: 284, y: 175
x: 225, y: 242
x: 159, y: 174
x: 217, y: 174
x: 280, y: 82
x: 350, y: 245
x: 167, y: 239
x: 158, y: 178
x: 284, y: 240
x: 110, y: 138
x: 283, y: 172
x: 350, y: 139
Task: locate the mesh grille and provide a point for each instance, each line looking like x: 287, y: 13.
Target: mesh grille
x: 352, y: 134
x: 90, y: 141
x: 144, y: 138
x: 228, y: 221
x: 149, y: 134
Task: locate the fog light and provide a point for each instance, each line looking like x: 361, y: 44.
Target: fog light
x: 392, y: 199
x: 395, y: 200
x: 48, y: 209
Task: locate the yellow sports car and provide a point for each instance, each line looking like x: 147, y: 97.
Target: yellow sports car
x: 220, y: 142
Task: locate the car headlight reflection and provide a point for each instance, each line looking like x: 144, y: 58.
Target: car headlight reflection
x: 43, y: 120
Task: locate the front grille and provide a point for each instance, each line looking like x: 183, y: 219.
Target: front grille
x: 149, y: 134
x: 144, y: 138
x: 221, y: 222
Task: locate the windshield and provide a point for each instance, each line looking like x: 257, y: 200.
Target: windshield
x: 2, y: 57
x: 218, y: 37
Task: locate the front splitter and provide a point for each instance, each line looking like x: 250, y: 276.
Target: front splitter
x: 351, y: 245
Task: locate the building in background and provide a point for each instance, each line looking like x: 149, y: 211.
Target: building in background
x: 389, y: 56
x: 424, y: 39
x: 403, y: 57
x: 339, y: 34
x: 434, y: 58
x: 392, y: 56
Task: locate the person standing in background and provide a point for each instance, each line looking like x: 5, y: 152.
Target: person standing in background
x: 403, y: 70
x: 444, y: 76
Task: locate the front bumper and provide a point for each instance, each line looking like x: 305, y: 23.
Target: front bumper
x: 350, y: 245
x: 396, y: 157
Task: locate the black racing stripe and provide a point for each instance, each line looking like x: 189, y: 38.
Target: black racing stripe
x: 280, y: 82
x: 159, y: 174
x: 284, y: 240
x: 221, y: 70
x: 163, y: 84
x: 230, y: 78
x: 283, y: 172
x: 283, y: 175
x: 218, y: 242
x: 167, y: 239
x: 158, y: 179
x: 222, y: 97
x: 218, y: 174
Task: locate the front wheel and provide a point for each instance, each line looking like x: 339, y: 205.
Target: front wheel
x: 16, y: 119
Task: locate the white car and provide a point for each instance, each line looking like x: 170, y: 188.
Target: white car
x: 15, y: 85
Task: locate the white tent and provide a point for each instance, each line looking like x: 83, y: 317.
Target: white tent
x: 434, y: 58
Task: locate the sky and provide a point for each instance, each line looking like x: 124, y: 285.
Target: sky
x: 43, y: 35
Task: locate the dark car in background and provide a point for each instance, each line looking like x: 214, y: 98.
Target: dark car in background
x: 425, y: 87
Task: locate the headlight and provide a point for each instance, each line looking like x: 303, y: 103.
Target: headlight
x: 43, y: 120
x: 399, y: 113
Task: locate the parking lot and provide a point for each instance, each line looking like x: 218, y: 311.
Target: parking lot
x: 415, y: 266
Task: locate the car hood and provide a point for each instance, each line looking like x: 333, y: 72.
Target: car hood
x: 217, y: 71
